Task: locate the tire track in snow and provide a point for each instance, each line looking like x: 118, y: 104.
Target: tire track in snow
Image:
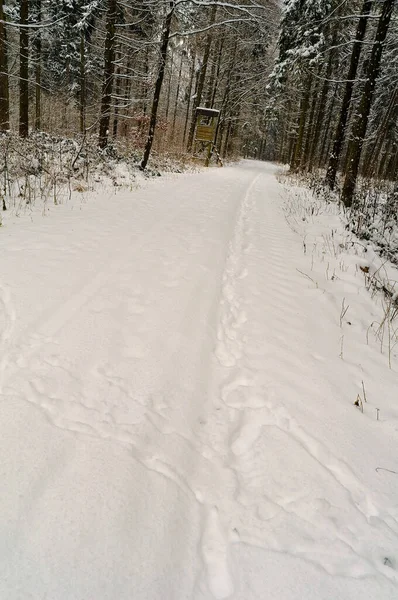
x: 233, y: 316
x: 240, y: 465
x: 8, y: 318
x: 229, y: 351
x: 253, y: 411
x: 171, y: 455
x: 215, y: 555
x: 261, y: 412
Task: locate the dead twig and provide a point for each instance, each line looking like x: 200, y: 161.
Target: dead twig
x: 377, y: 469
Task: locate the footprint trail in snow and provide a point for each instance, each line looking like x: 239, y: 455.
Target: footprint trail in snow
x: 183, y: 341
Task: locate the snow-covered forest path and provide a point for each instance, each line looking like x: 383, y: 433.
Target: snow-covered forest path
x: 175, y: 422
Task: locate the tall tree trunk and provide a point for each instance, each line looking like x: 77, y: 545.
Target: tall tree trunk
x: 281, y: 152
x: 118, y: 91
x: 212, y: 77
x: 158, y: 85
x: 169, y: 86
x: 389, y: 119
x: 292, y: 145
x: 302, y: 122
x: 145, y: 85
x: 235, y: 113
x: 361, y: 122
x: 126, y: 93
x: 24, y: 69
x: 177, y: 96
x: 226, y: 140
x: 109, y: 70
x: 225, y: 101
x: 4, y: 89
x: 217, y: 79
x: 326, y: 141
x: 190, y: 86
x: 201, y: 80
x: 393, y: 169
x: 38, y: 69
x: 385, y: 160
x: 82, y: 82
x: 312, y: 122
x: 345, y: 107
x: 319, y: 120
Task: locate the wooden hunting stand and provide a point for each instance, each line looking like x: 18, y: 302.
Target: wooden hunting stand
x: 206, y: 129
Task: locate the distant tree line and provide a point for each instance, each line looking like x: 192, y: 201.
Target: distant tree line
x: 333, y: 93
x: 135, y: 71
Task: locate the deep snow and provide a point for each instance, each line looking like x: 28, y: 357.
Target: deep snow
x: 177, y: 402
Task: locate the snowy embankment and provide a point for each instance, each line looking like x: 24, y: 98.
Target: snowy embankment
x: 178, y: 373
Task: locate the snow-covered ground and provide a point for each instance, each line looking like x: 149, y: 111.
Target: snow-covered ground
x: 177, y: 379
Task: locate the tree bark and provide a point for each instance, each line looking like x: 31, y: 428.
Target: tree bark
x: 345, y: 107
x: 177, y: 96
x: 4, y: 89
x: 326, y: 142
x: 158, y: 86
x: 118, y: 91
x: 302, y: 122
x: 191, y: 80
x: 170, y: 79
x: 38, y: 69
x: 24, y: 69
x: 312, y: 126
x: 387, y: 124
x: 217, y: 79
x: 225, y: 100
x: 361, y: 122
x: 82, y: 82
x: 319, y: 119
x: 109, y: 70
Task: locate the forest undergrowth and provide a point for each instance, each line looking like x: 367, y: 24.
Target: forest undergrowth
x: 361, y: 241
x: 43, y: 168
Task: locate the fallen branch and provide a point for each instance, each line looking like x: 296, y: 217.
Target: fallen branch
x: 388, y: 470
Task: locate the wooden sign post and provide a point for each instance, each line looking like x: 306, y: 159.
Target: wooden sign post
x: 206, y: 128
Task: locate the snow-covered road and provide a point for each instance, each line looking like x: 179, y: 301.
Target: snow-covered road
x: 176, y: 422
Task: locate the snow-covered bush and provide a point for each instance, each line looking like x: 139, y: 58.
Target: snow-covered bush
x: 49, y: 168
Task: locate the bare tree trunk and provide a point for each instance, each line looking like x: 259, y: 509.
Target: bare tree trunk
x: 201, y: 80
x: 171, y: 62
x: 24, y: 69
x: 326, y: 142
x: 177, y: 96
x: 38, y: 69
x: 390, y: 117
x: 386, y: 160
x: 235, y: 113
x: 212, y: 78
x: 345, y: 107
x: 311, y: 131
x: 109, y: 70
x: 217, y: 79
x: 126, y: 93
x: 225, y: 101
x: 82, y: 83
x: 158, y: 86
x: 191, y: 79
x: 361, y: 122
x: 4, y: 89
x: 302, y: 122
x: 319, y: 120
x: 143, y: 92
x: 282, y: 140
x: 226, y: 140
x: 145, y: 86
x: 118, y: 91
